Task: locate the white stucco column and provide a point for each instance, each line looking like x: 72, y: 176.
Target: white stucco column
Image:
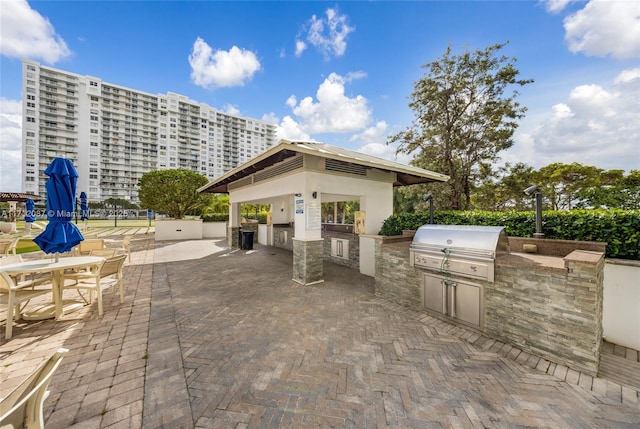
x: 307, y: 217
x: 234, y: 214
x: 234, y: 226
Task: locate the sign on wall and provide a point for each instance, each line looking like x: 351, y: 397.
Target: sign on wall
x: 313, y: 216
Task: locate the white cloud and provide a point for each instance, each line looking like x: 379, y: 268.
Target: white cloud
x: 384, y: 151
x: 375, y: 134
x: 24, y: 33
x: 594, y: 126
x: 605, y: 28
x: 10, y: 145
x: 300, y: 47
x: 627, y: 76
x: 333, y: 112
x: 289, y: 129
x: 270, y: 118
x: 221, y: 68
x: 231, y: 110
x: 373, y: 140
x: 556, y: 6
x: 327, y: 34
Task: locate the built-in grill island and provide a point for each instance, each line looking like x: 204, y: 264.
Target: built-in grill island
x: 456, y: 259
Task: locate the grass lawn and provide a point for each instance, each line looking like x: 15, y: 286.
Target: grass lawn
x: 26, y: 245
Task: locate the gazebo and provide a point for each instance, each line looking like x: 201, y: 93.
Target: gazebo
x: 295, y: 177
x: 13, y: 198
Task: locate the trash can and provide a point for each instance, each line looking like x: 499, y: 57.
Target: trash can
x: 246, y: 242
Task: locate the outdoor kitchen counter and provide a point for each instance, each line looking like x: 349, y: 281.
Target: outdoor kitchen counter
x: 545, y: 262
x: 532, y: 260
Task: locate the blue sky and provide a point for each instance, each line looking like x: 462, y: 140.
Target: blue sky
x: 341, y: 72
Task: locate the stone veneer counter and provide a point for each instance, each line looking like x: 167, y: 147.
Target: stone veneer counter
x: 550, y: 306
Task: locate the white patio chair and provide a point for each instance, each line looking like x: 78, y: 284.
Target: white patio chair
x: 105, y: 253
x: 23, y: 408
x: 5, y: 247
x: 13, y: 247
x: 125, y: 247
x: 106, y: 275
x: 86, y: 246
x: 15, y: 295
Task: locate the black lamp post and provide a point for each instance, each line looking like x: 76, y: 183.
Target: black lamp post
x: 429, y: 197
x: 535, y: 191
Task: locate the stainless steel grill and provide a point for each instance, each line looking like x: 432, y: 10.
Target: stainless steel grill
x: 450, y: 253
x: 464, y: 250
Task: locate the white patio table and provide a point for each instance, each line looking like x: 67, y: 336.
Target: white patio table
x: 49, y: 265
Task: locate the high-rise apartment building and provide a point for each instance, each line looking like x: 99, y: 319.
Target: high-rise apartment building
x: 115, y: 134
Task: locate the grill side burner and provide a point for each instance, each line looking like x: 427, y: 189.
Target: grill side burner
x: 450, y: 253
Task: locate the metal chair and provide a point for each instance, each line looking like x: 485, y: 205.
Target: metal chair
x: 23, y: 408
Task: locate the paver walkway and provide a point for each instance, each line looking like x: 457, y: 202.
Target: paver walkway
x: 225, y: 339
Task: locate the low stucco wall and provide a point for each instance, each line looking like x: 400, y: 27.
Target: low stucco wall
x: 214, y: 229
x: 621, y: 308
x: 178, y: 229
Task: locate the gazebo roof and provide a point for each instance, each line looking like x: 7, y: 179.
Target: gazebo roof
x: 17, y: 196
x: 406, y: 174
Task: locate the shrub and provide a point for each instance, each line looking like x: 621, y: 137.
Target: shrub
x: 619, y: 228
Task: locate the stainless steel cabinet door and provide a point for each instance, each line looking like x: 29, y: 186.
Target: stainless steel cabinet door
x: 452, y: 297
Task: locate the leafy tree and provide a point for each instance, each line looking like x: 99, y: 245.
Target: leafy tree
x: 219, y: 204
x: 174, y: 192
x: 463, y: 117
x: 613, y: 190
x: 119, y: 203
x: 506, y: 191
x: 410, y: 199
x: 563, y: 182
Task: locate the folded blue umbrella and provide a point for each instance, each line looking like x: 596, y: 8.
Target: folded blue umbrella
x: 84, y: 208
x: 29, y: 216
x: 60, y: 234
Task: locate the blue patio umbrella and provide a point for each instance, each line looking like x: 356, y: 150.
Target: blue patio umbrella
x: 30, y: 207
x: 84, y: 208
x: 60, y: 235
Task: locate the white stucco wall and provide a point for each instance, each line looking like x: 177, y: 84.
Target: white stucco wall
x: 621, y: 304
x: 214, y: 229
x: 376, y: 197
x: 367, y: 256
x: 183, y: 229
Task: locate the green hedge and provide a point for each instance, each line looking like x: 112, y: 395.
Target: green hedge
x: 619, y: 228
x: 223, y: 217
x: 215, y: 217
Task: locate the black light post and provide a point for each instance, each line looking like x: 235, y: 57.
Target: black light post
x: 535, y: 191
x: 429, y: 197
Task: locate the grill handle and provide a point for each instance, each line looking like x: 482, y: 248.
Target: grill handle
x: 445, y: 297
x: 445, y: 307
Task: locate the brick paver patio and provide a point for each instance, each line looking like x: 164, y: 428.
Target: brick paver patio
x: 228, y: 340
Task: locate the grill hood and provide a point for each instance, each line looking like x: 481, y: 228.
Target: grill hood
x: 464, y: 240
